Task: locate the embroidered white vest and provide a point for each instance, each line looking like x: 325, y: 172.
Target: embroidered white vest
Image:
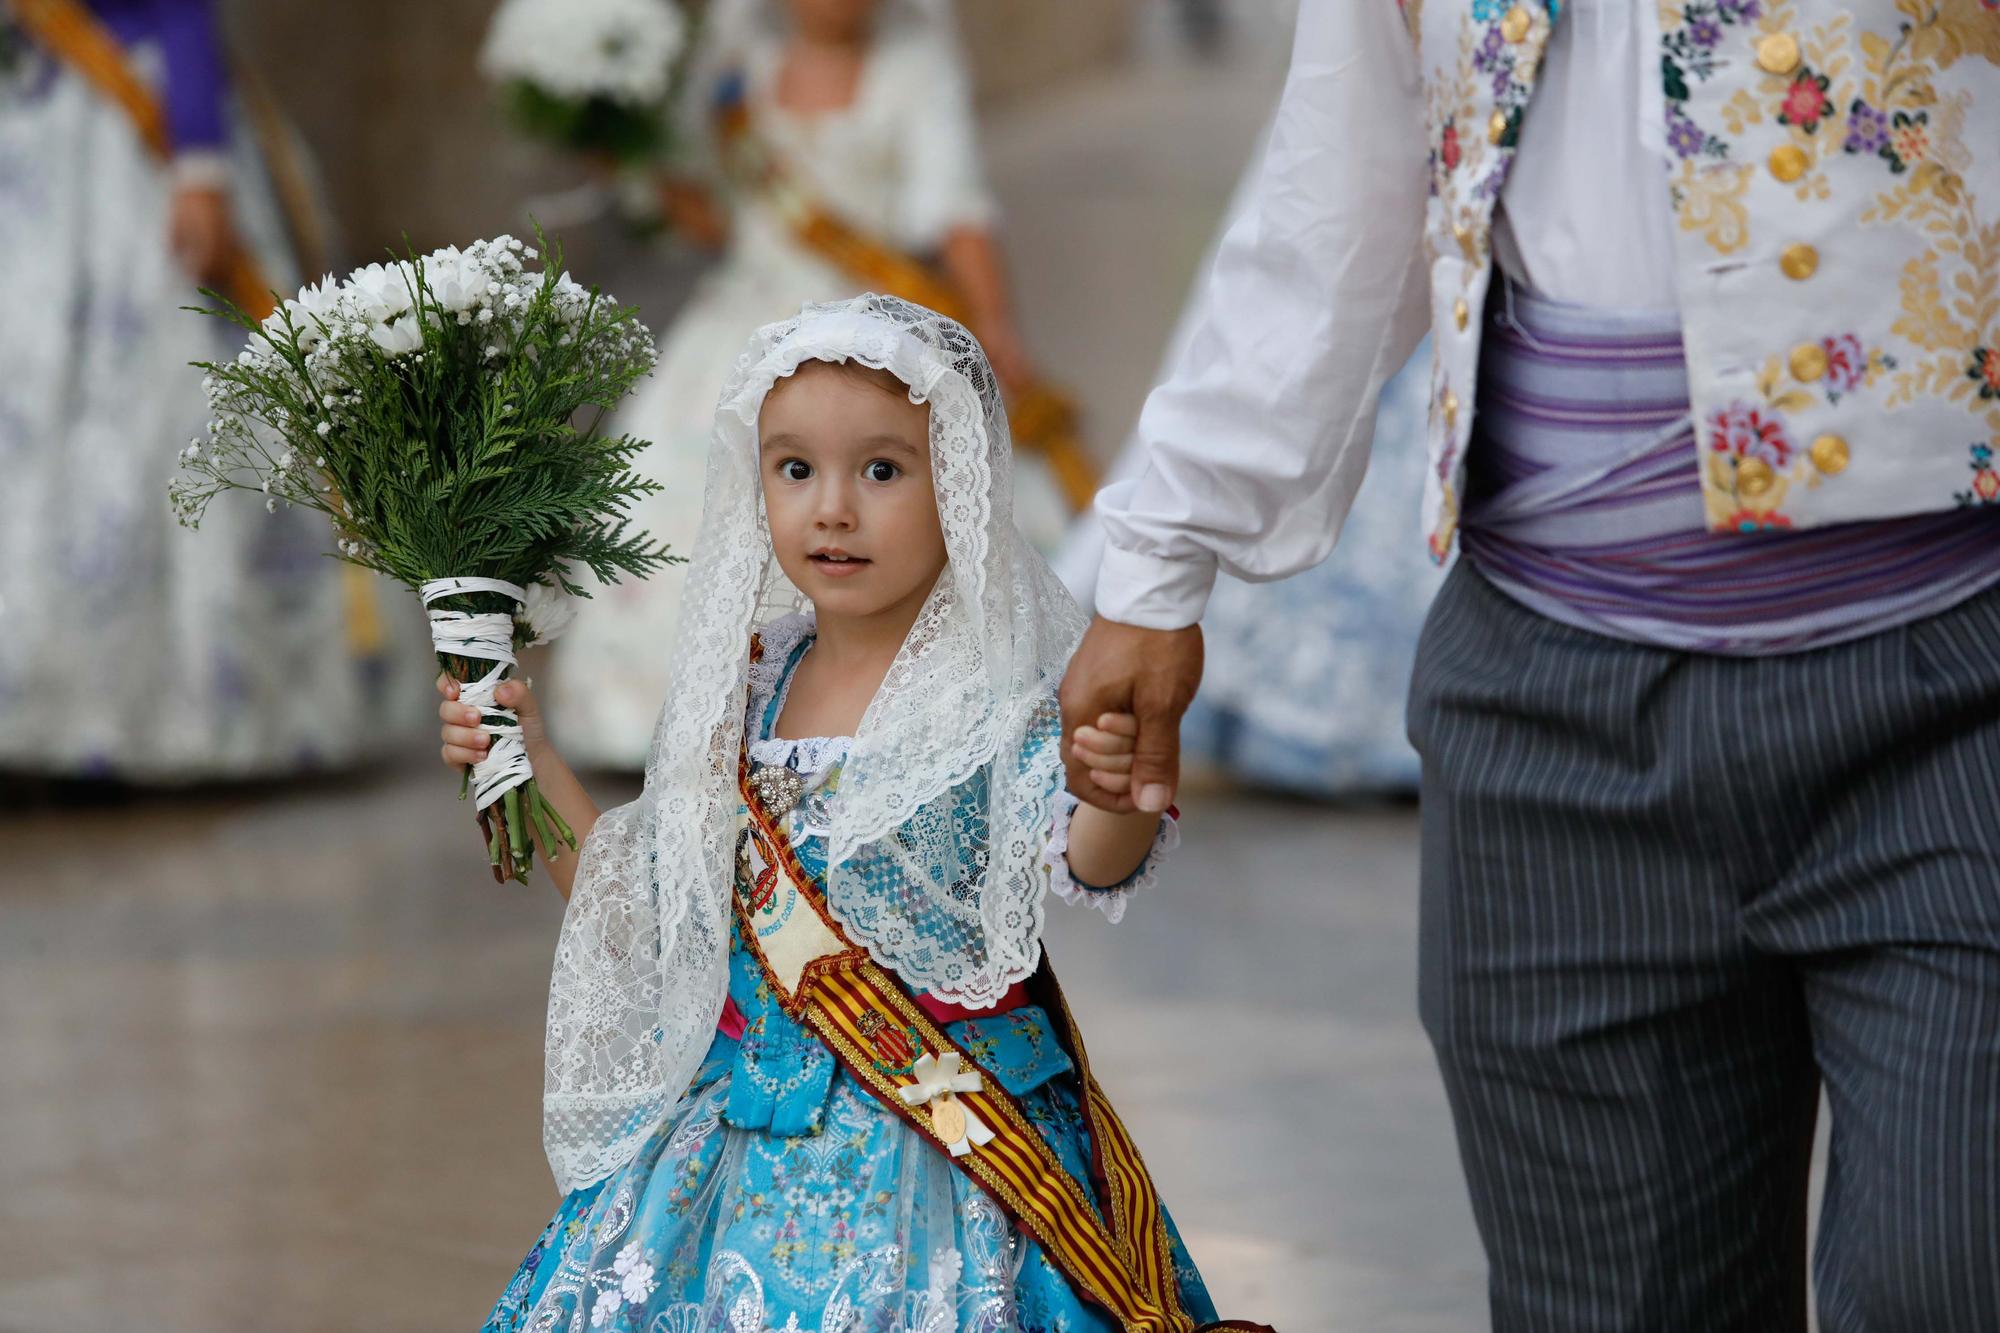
x: 1836, y: 181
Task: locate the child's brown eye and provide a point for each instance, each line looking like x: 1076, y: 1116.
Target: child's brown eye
x: 794, y: 469
x: 882, y: 470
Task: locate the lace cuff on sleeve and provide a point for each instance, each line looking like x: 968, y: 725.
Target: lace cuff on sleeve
x: 1109, y: 900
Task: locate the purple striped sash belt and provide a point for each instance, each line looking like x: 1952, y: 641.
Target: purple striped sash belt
x: 1584, y: 503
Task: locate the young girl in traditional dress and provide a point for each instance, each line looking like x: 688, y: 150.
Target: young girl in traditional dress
x: 807, y: 1069
x: 859, y: 110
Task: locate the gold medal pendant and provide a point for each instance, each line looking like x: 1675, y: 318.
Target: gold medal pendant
x: 948, y: 1119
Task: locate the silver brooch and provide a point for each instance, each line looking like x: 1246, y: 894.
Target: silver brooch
x: 779, y: 789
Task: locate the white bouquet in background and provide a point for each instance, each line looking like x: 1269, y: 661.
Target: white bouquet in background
x: 593, y: 75
x: 444, y: 412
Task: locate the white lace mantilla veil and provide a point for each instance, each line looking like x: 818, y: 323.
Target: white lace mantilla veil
x: 964, y: 723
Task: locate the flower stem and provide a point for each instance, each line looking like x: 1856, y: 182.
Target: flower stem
x: 539, y: 809
x: 517, y: 834
x: 562, y: 825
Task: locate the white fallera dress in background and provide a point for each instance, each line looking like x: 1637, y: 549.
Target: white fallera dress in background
x: 900, y: 162
x: 130, y: 647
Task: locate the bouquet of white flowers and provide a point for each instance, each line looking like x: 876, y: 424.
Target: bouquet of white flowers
x: 436, y: 409
x: 592, y: 75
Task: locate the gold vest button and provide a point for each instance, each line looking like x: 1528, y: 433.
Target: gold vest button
x: 1799, y: 261
x: 1778, y: 53
x: 1829, y: 454
x: 1450, y: 405
x: 1753, y: 477
x: 1808, y: 362
x: 1789, y: 162
x: 1496, y: 127
x: 1514, y: 27
x: 1461, y: 313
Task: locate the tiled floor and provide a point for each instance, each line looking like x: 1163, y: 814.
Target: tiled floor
x: 274, y: 1062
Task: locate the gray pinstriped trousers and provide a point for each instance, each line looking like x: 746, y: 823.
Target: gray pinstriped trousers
x: 1665, y: 895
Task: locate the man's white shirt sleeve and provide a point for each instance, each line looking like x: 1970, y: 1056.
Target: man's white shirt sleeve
x: 1258, y: 438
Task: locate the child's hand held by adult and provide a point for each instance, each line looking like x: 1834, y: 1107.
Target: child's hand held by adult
x: 1106, y: 749
x: 1149, y: 675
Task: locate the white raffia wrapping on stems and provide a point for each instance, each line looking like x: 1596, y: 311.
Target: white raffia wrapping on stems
x: 485, y: 636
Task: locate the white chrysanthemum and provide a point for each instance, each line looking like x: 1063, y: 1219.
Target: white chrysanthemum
x: 638, y: 1284
x: 547, y: 612
x: 403, y: 336
x: 458, y: 280
x: 378, y: 293
x: 621, y: 50
x: 315, y: 305
x: 635, y: 1273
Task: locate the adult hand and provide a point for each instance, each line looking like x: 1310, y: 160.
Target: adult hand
x: 200, y: 232
x: 1149, y: 673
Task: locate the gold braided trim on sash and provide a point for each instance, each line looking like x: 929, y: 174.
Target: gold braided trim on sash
x: 1043, y: 417
x: 1126, y: 1265
x: 68, y: 30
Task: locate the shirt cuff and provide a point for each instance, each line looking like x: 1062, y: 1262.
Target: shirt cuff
x: 201, y: 168
x: 1153, y: 592
x: 1110, y: 899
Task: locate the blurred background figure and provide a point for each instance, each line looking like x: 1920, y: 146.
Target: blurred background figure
x: 130, y: 173
x: 827, y: 147
x: 1305, y: 678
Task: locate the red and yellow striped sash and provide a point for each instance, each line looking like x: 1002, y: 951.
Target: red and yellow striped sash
x: 1121, y: 1259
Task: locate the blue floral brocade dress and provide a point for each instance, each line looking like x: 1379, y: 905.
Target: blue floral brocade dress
x: 780, y: 1195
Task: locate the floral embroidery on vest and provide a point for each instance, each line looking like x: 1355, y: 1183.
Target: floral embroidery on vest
x: 1476, y: 99
x: 1709, y: 186
x: 1985, y: 481
x: 1950, y: 308
x: 1690, y: 34
x: 1500, y: 51
x: 1444, y: 530
x: 1753, y: 461
x: 1836, y: 93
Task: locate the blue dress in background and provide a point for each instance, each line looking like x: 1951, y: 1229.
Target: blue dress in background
x: 1306, y: 677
